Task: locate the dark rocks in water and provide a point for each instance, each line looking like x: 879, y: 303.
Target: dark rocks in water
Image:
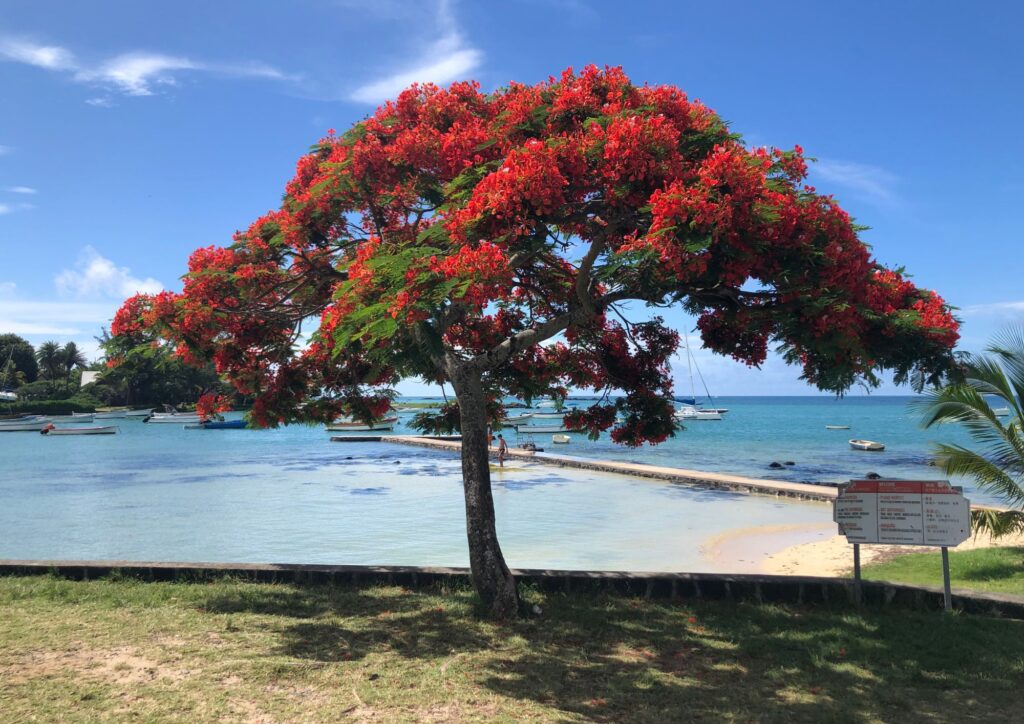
x: 789, y: 462
x: 398, y: 462
x: 348, y: 457
x: 873, y: 476
x: 775, y: 465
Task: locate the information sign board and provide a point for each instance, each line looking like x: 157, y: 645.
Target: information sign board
x: 903, y: 512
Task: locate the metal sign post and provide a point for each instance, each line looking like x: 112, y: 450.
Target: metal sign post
x: 857, y: 594
x: 947, y: 594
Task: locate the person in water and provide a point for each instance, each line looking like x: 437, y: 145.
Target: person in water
x: 502, y: 450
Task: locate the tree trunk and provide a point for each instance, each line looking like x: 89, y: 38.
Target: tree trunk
x: 492, y: 579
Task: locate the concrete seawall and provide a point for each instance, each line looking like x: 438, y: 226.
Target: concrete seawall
x: 799, y: 590
x: 776, y: 488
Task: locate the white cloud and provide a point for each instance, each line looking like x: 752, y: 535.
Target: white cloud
x: 133, y: 74
x: 96, y: 276
x: 20, y: 190
x: 7, y: 289
x: 995, y: 309
x: 99, y: 102
x: 47, y: 317
x: 446, y: 60
x: 51, y: 57
x: 870, y: 182
x: 11, y: 208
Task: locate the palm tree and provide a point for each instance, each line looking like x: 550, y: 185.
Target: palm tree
x: 996, y: 465
x: 71, y: 357
x: 50, y: 358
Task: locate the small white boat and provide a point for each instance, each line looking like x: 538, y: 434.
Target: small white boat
x: 33, y: 425
x: 517, y: 419
x: 719, y: 410
x: 837, y: 427
x: 76, y: 419
x: 689, y: 412
x: 1001, y: 411
x: 560, y: 439
x: 50, y: 430
x: 530, y: 429
x: 549, y: 415
x: 110, y: 415
x: 138, y: 413
x: 175, y: 419
x: 349, y: 425
x: 867, y: 445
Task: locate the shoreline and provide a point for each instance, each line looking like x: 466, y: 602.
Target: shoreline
x: 813, y: 550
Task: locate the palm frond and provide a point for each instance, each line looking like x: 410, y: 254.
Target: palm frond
x: 1008, y: 347
x: 987, y: 475
x: 997, y: 523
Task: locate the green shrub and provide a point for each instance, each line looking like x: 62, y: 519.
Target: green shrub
x: 48, y: 407
x: 44, y: 390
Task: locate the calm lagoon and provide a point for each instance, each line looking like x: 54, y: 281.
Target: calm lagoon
x: 162, y: 493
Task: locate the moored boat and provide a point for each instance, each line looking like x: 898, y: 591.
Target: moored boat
x: 176, y: 418
x: 1001, y: 411
x: 50, y: 430
x: 560, y: 439
x: 517, y: 419
x: 837, y: 427
x: 138, y: 413
x: 350, y: 425
x: 549, y: 415
x: 867, y: 445
x: 29, y: 425
x: 530, y: 429
x: 77, y: 419
x: 689, y: 412
x: 218, y: 425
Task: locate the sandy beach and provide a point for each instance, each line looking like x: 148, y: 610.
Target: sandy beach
x: 810, y: 550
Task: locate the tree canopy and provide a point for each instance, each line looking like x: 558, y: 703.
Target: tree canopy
x: 454, y: 224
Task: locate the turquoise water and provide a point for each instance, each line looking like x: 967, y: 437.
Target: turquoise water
x: 760, y: 430
x: 159, y: 492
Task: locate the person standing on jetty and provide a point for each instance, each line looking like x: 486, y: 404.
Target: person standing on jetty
x: 502, y: 450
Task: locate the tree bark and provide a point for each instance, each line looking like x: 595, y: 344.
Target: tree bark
x: 492, y: 579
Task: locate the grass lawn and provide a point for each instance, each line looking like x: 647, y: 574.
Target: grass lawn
x: 79, y: 651
x: 999, y: 570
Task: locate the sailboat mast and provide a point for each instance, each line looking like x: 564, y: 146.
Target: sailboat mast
x: 689, y: 364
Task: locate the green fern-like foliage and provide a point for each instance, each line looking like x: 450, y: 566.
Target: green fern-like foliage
x: 995, y: 462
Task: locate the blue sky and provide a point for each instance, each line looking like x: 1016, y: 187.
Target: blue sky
x: 132, y: 133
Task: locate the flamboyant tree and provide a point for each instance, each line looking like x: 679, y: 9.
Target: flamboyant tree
x: 492, y: 240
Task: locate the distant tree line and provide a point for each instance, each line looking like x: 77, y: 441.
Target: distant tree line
x: 142, y: 378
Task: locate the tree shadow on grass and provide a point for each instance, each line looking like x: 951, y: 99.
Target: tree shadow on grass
x: 614, y: 658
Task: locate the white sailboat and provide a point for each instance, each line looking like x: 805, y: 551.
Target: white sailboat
x: 691, y: 411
